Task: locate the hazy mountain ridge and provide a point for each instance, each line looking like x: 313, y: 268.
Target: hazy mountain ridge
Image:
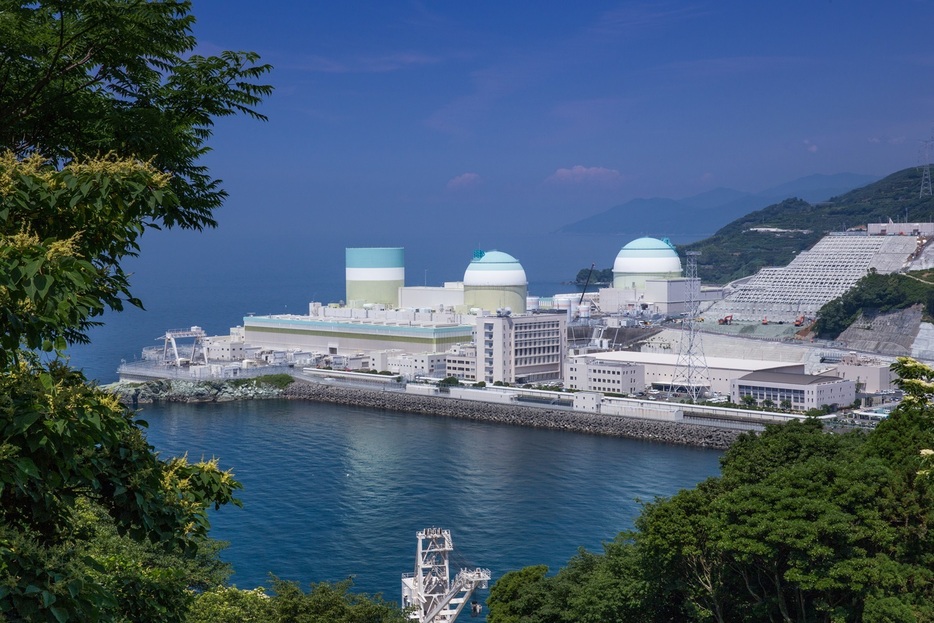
x: 680, y: 217
x: 734, y: 251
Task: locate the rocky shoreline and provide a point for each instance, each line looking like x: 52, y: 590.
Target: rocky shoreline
x: 134, y: 393
x: 215, y: 391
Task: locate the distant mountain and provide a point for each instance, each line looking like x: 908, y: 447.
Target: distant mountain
x: 817, y: 188
x: 713, y: 209
x: 735, y: 250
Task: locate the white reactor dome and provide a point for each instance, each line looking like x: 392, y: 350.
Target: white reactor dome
x: 647, y: 256
x: 494, y: 268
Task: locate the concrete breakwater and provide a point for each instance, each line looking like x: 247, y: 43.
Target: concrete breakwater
x: 516, y: 415
x: 134, y: 394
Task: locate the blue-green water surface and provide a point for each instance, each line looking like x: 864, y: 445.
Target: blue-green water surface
x: 333, y: 491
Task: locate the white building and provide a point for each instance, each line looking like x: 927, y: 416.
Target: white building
x: 374, y: 275
x: 870, y: 375
x: 461, y: 362
x: 412, y: 366
x: 647, y: 277
x: 521, y: 349
x: 512, y: 349
x: 802, y: 391
x: 589, y: 374
x: 225, y: 347
x: 660, y: 367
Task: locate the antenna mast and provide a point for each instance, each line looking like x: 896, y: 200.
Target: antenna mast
x: 926, y: 168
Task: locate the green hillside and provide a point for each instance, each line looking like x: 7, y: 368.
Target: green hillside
x: 735, y: 251
x: 876, y: 293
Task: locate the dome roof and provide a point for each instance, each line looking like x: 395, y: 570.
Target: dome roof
x: 648, y: 256
x: 494, y: 268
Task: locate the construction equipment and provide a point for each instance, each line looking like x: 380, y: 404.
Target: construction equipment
x: 586, y: 283
x: 799, y: 321
x: 725, y: 320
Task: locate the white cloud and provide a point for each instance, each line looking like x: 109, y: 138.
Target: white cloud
x: 464, y: 180
x: 579, y: 174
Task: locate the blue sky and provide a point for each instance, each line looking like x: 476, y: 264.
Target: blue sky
x: 550, y: 111
x: 444, y: 126
x: 447, y: 122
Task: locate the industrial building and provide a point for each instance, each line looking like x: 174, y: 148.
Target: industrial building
x: 343, y: 330
x: 871, y: 375
x: 488, y: 305
x: 801, y: 391
x: 517, y: 350
x: 521, y: 349
x: 648, y: 278
x: 660, y: 368
x: 495, y: 280
x: 590, y: 374
x: 487, y: 328
x: 374, y: 276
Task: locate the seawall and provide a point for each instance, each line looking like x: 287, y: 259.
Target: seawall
x: 134, y: 394
x: 517, y: 415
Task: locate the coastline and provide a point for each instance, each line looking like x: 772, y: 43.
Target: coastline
x: 518, y: 415
x: 134, y: 394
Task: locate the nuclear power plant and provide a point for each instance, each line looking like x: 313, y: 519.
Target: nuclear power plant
x: 488, y: 329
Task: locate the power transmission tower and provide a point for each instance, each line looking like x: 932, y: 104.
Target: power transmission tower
x: 691, y: 369
x: 926, y: 168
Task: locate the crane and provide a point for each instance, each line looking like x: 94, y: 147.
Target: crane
x: 586, y: 283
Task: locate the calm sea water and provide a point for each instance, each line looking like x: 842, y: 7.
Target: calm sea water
x: 333, y: 492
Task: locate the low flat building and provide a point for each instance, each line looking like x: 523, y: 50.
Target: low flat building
x: 411, y: 366
x: 870, y: 375
x: 660, y: 367
x: 341, y: 330
x: 801, y: 391
x: 588, y: 374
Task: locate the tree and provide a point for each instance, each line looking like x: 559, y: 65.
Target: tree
x: 105, y: 117
x: 324, y: 603
x: 518, y: 595
x: 800, y: 525
x: 90, y: 77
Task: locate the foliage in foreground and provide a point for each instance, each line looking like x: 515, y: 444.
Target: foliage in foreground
x: 324, y: 603
x: 801, y: 525
x: 105, y: 116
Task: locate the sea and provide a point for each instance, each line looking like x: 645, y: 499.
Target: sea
x: 334, y: 492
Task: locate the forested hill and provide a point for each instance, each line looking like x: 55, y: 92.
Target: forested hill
x: 736, y: 251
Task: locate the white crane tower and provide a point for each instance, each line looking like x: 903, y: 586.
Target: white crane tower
x: 432, y: 595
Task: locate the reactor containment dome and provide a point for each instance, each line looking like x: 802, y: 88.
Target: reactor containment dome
x: 495, y: 280
x: 645, y: 258
x: 374, y: 275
